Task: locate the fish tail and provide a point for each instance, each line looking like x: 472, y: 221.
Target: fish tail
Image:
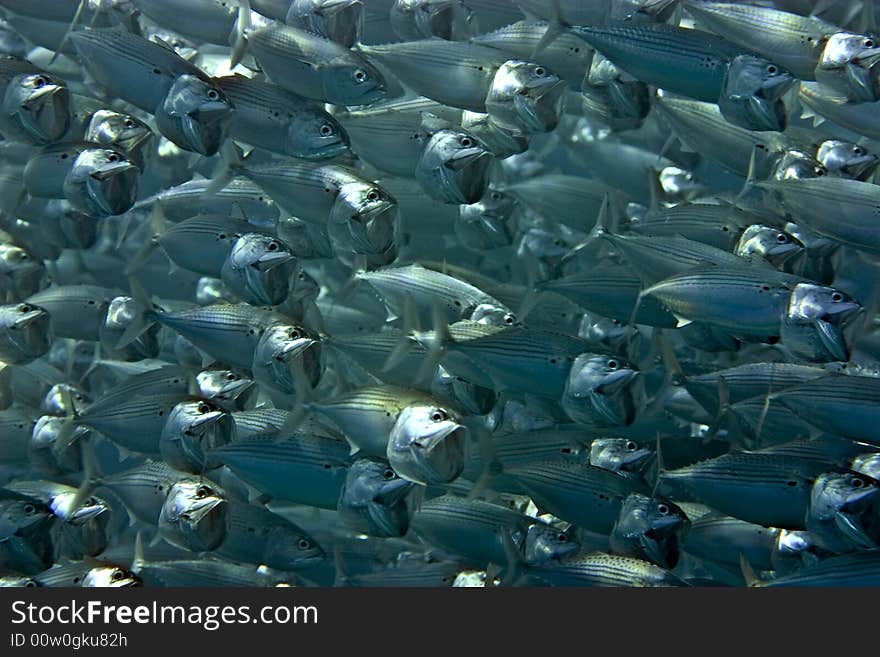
x: 158, y: 225
x: 70, y: 28
x: 232, y: 160
x: 145, y: 314
x: 242, y: 27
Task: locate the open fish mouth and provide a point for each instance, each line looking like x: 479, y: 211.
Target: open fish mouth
x: 48, y: 111
x: 438, y: 458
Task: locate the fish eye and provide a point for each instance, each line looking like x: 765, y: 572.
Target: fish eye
x: 372, y: 195
x: 113, y: 157
x: 467, y: 142
x: 439, y: 415
x: 540, y: 71
x: 39, y: 82
x: 202, y: 492
x: 612, y: 364
x: 29, y: 508
x: 231, y: 377
x: 662, y: 509
x: 857, y: 483
x: 116, y: 575
x: 837, y: 296
x: 24, y: 308
x: 782, y: 238
x: 388, y: 474
x: 295, y: 334
x: 326, y: 130
x: 212, y: 94
x: 772, y: 70
x: 129, y: 123
x: 272, y: 246
x: 360, y: 75
x: 631, y: 446
x: 819, y: 171
x: 869, y: 43
x: 858, y: 151
x: 509, y: 319
x: 562, y: 538
x: 203, y: 408
x: 304, y: 544
x: 496, y: 196
x: 30, y: 584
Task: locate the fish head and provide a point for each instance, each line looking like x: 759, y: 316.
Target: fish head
x: 62, y: 399
x: 652, y: 526
x: 365, y: 218
x: 193, y: 516
x: 303, y: 286
x: 40, y: 104
x: 121, y: 313
x: 426, y: 444
x: 16, y: 261
x: 771, y: 243
x: 423, y: 19
x: 604, y: 388
x: 25, y: 517
x: 195, y: 115
x: 376, y: 491
x: 812, y: 302
x: 525, y: 98
x: 317, y: 135
x: 227, y: 388
x: 62, y: 506
x: 867, y: 464
x: 290, y: 355
x: 27, y: 331
x: 455, y: 167
x: 338, y: 20
x: 545, y: 542
x: 797, y: 165
x: 759, y: 77
x: 470, y: 397
x: 492, y: 315
x: 845, y: 48
x: 18, y: 582
x: 848, y: 65
x: 361, y: 83
x: 619, y: 455
x: 852, y: 502
x: 489, y: 223
x: 194, y: 428
x: 679, y: 184
x: 259, y: 252
x: 847, y: 158
x: 102, y: 181
x: 123, y: 131
x: 110, y: 577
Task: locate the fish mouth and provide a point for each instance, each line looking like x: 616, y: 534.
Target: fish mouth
x: 204, y: 420
x: 113, y: 188
x: 540, y: 111
x: 205, y: 129
x: 437, y: 458
x: 393, y: 492
x: 850, y: 525
x: 204, y: 526
x: 467, y: 157
x: 614, y: 400
x: 294, y: 348
x: 49, y: 110
x: 271, y: 260
x: 27, y: 319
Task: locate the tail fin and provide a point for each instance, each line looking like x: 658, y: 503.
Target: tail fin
x: 70, y: 29
x: 242, y: 27
x: 158, y: 225
x: 145, y: 317
x: 232, y: 160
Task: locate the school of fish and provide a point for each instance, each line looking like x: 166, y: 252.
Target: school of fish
x: 439, y: 293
